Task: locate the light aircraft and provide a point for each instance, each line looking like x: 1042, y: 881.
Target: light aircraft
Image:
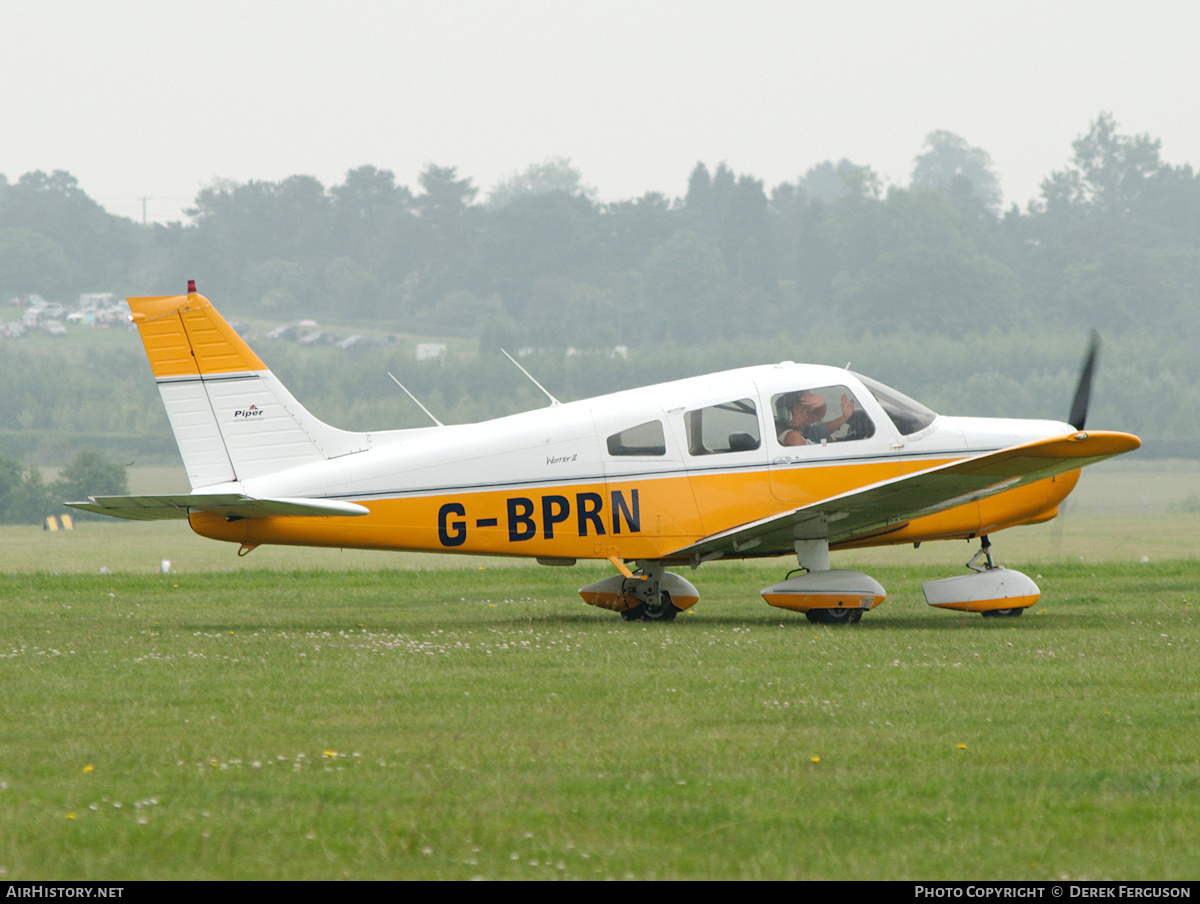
x: 784, y: 459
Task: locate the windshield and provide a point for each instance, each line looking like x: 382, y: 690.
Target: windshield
x: 908, y: 415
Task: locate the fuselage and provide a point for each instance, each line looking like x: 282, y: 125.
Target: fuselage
x: 642, y: 473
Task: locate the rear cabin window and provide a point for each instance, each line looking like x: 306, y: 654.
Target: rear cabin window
x: 644, y: 439
x: 729, y: 427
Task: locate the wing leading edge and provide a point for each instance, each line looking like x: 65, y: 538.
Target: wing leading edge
x: 231, y: 505
x: 884, y: 505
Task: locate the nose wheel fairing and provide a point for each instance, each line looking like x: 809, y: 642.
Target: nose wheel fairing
x: 991, y: 589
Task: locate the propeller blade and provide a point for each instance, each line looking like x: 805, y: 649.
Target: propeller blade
x: 1083, y: 392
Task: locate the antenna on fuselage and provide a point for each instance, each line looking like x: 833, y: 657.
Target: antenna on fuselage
x: 418, y: 401
x: 553, y: 401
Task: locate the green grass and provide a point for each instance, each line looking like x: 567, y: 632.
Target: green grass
x: 481, y: 721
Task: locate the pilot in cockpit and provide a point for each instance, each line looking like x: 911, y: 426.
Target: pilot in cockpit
x: 806, y: 422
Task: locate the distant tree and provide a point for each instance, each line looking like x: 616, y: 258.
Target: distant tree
x: 534, y: 236
x: 446, y: 195
x: 24, y: 498
x: 463, y: 313
x: 745, y: 238
x: 699, y: 186
x: 629, y: 230
x: 563, y: 313
x: 555, y: 174
x: 936, y: 290
x: 100, y: 248
x: 860, y: 229
x: 11, y: 475
x: 732, y: 212
x: 828, y: 181
x: 371, y: 215
x: 1118, y: 190
x: 284, y: 289
x: 802, y: 253
x: 366, y: 193
x: 685, y: 291
x: 238, y: 226
x: 956, y: 169
x: 1121, y: 290
x: 449, y: 225
x: 30, y: 262
x: 353, y: 289
x: 1108, y: 172
x: 90, y: 473
x: 708, y: 199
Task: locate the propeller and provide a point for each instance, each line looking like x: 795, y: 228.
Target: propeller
x: 1083, y: 392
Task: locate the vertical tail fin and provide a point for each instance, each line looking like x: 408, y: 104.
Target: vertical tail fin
x: 232, y: 418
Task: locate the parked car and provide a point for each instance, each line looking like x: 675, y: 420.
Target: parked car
x: 318, y: 337
x: 290, y: 332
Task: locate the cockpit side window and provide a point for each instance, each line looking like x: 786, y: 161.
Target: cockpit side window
x: 908, y: 415
x: 805, y: 417
x: 729, y: 427
x: 644, y: 439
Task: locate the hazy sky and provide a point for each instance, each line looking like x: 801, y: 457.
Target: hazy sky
x: 157, y: 99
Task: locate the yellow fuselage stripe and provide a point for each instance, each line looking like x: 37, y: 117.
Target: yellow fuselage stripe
x: 638, y: 518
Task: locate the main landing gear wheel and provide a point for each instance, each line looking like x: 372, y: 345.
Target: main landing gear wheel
x: 652, y: 594
x: 1003, y: 613
x: 834, y: 616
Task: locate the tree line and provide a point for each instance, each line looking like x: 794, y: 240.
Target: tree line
x: 25, y: 497
x: 539, y: 262
x: 931, y: 286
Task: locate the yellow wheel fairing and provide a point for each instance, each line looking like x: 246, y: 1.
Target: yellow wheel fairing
x: 833, y: 589
x: 983, y: 591
x: 610, y: 593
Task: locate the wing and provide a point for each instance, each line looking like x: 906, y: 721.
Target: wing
x: 231, y: 505
x: 883, y: 505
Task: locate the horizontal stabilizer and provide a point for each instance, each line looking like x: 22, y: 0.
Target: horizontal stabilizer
x: 231, y: 505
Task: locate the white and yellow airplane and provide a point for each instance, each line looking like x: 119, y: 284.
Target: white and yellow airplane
x: 784, y: 459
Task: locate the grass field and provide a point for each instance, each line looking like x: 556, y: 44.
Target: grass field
x: 303, y: 714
